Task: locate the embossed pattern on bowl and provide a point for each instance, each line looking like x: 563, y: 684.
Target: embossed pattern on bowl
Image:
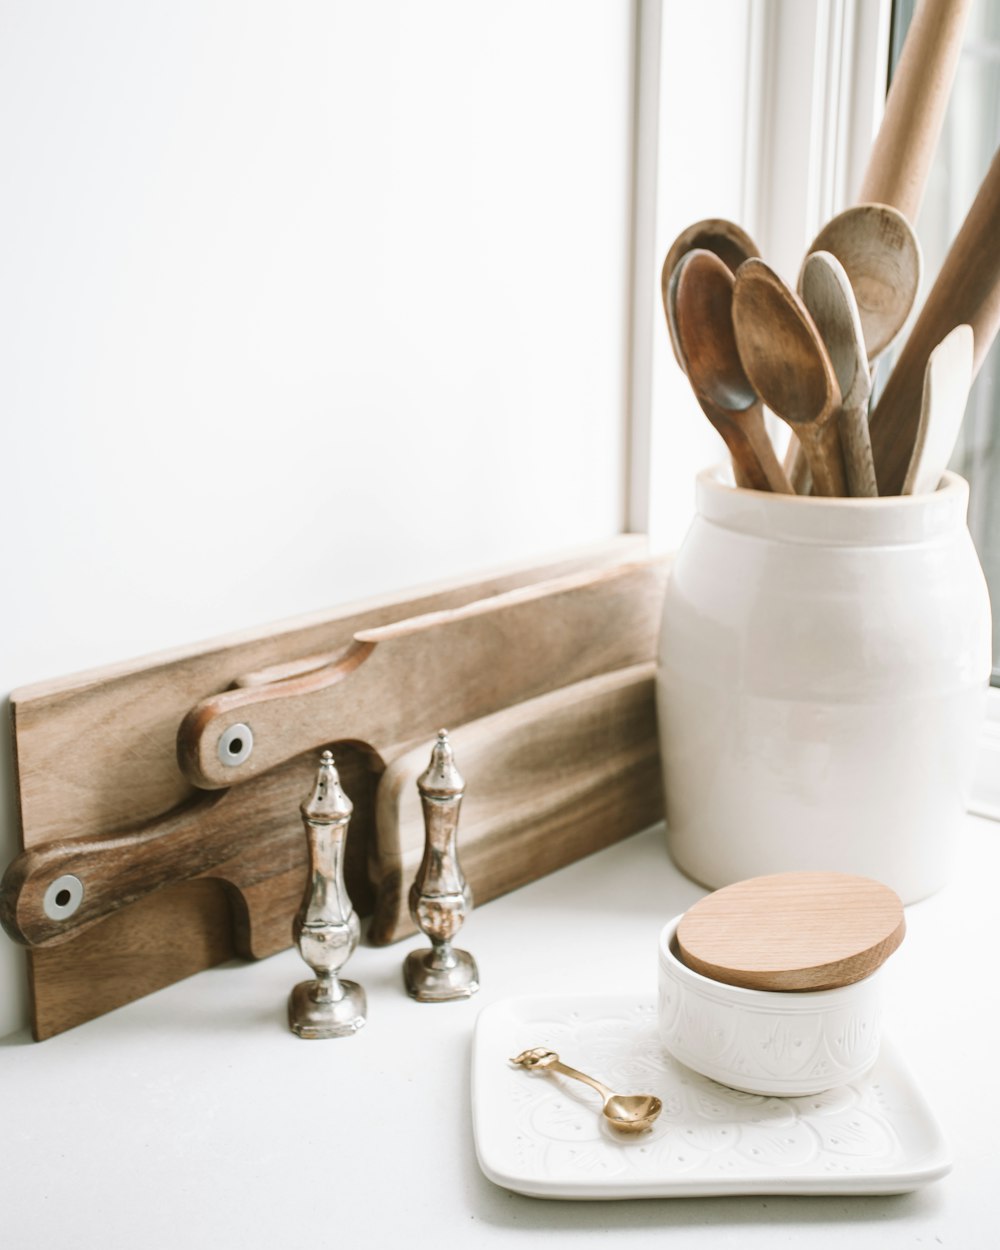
x: 765, y: 1042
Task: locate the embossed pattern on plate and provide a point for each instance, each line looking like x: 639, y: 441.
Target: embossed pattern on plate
x: 542, y: 1136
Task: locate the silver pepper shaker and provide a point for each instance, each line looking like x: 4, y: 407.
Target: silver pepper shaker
x: 326, y: 930
x: 440, y: 897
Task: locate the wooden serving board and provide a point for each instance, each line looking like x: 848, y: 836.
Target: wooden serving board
x: 224, y: 871
x: 548, y: 781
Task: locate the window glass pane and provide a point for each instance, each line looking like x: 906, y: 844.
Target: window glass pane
x: 968, y: 142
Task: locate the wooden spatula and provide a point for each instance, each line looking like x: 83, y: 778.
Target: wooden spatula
x: 946, y: 391
x: 793, y: 931
x: 966, y: 291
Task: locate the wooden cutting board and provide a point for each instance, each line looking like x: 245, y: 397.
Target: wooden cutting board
x: 548, y: 781
x: 228, y: 867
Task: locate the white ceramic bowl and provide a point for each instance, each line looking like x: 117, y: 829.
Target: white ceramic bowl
x: 765, y: 1042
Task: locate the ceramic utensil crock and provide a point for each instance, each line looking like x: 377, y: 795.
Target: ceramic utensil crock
x: 821, y: 682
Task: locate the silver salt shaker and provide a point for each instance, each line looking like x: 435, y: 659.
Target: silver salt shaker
x: 326, y: 929
x: 440, y: 897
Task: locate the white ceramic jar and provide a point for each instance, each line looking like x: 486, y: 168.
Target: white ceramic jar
x: 822, y: 673
x: 762, y: 1041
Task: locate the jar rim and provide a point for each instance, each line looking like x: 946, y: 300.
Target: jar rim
x: 888, y: 519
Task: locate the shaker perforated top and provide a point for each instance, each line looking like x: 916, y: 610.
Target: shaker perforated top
x: 792, y: 931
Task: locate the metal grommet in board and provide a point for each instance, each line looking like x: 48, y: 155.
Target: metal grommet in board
x: 63, y: 897
x: 235, y: 745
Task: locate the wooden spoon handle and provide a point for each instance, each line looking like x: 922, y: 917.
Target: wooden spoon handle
x: 755, y: 463
x: 796, y: 467
x: 967, y: 290
x: 751, y: 425
x: 822, y: 449
x: 855, y: 439
x: 918, y: 98
x: 116, y: 869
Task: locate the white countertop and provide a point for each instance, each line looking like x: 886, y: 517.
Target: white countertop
x: 195, y: 1118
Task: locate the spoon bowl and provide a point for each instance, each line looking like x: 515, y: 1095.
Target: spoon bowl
x: 724, y: 238
x: 700, y: 299
x: 881, y: 256
x: 627, y: 1113
x: 789, y: 367
x: 826, y: 292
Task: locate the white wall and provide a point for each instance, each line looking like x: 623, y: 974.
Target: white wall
x: 299, y: 301
x: 702, y: 151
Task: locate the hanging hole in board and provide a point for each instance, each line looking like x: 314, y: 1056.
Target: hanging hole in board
x: 235, y: 745
x: 63, y: 897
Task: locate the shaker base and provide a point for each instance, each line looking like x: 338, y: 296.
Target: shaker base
x: 336, y: 1018
x: 440, y: 985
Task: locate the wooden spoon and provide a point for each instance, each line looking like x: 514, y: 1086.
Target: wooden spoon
x: 700, y: 298
x: 789, y: 368
x: 727, y: 240
x: 881, y: 256
x: 947, y: 380
x: 827, y: 293
x: 966, y: 291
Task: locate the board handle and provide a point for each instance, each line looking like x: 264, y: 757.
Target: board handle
x: 55, y: 891
x: 401, y: 682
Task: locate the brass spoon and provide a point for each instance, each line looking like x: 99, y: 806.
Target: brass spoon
x: 789, y: 368
x: 628, y: 1113
x: 700, y: 298
x: 881, y: 256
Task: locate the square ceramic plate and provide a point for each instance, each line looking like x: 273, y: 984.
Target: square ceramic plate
x: 543, y: 1135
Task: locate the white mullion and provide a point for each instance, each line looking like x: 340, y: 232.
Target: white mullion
x: 643, y: 268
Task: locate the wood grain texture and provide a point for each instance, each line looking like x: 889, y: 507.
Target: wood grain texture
x: 947, y: 380
x: 700, y: 299
x: 901, y: 155
x: 966, y: 291
x: 403, y: 681
x: 114, y: 730
x: 549, y: 781
x: 242, y: 907
x: 113, y: 734
x: 789, y: 368
x: 177, y: 933
x: 793, y: 931
x: 880, y: 253
x: 206, y: 835
x: 717, y: 235
x: 826, y: 291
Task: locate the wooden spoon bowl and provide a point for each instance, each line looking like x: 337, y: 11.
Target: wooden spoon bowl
x: 700, y: 297
x: 789, y: 368
x: 881, y: 256
x: 724, y: 238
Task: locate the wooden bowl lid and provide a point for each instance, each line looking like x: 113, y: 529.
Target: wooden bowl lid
x: 792, y: 931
